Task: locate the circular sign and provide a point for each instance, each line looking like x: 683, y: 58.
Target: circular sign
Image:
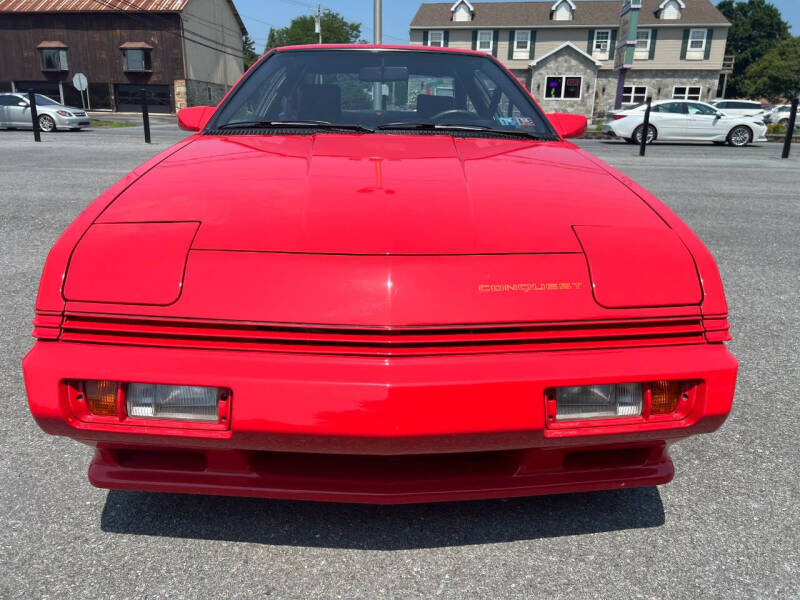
x: 80, y: 82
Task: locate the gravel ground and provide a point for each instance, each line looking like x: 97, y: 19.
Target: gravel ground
x: 727, y: 527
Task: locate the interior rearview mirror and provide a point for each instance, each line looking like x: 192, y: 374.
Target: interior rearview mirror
x: 383, y: 74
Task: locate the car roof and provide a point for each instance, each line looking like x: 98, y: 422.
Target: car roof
x: 406, y: 48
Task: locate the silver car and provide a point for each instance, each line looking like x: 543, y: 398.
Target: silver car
x: 15, y: 112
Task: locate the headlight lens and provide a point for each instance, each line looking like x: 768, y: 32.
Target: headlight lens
x: 64, y: 113
x: 188, y: 403
x: 599, y: 401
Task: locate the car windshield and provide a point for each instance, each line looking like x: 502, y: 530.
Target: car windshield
x: 369, y: 90
x: 44, y: 101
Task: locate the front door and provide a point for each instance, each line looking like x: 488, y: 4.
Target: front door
x: 19, y: 116
x: 705, y: 121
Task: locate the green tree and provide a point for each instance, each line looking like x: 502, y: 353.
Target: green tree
x: 776, y: 75
x: 249, y: 51
x: 335, y: 30
x: 756, y: 28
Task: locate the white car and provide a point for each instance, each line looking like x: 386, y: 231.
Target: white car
x: 779, y: 114
x: 740, y: 108
x: 684, y: 120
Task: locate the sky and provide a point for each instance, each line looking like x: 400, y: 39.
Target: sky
x: 259, y: 15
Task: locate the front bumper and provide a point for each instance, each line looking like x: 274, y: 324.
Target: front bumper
x: 379, y: 430
x: 71, y: 122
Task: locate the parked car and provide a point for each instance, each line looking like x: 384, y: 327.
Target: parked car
x: 779, y: 114
x: 685, y: 120
x: 330, y: 295
x: 15, y: 113
x: 740, y: 108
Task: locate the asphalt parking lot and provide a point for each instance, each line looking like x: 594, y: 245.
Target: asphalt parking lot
x: 727, y: 527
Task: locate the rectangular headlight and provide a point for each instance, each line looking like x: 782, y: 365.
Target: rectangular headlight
x: 599, y: 401
x: 177, y: 402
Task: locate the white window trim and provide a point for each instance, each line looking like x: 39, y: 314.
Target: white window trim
x: 686, y: 96
x: 557, y: 4
x: 643, y: 53
x: 697, y: 52
x: 522, y: 53
x: 599, y: 54
x: 633, y: 93
x: 491, y: 41
x: 441, y: 39
x: 563, y: 86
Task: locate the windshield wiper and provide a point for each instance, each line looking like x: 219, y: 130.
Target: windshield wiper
x: 295, y: 125
x: 465, y: 127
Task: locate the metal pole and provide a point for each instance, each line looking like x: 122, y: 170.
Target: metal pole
x: 787, y: 143
x: 145, y: 117
x: 319, y: 24
x: 724, y: 84
x: 378, y: 22
x: 37, y: 135
x: 645, y: 126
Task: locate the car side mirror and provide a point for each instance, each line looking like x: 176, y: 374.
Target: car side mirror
x: 568, y: 125
x: 195, y: 118
x: 22, y: 103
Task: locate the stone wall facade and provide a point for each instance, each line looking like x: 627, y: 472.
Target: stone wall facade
x: 198, y: 93
x: 566, y: 63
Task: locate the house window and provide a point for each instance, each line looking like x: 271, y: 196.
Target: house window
x: 602, y: 43
x: 462, y: 13
x: 634, y: 94
x: 560, y: 88
x: 697, y: 40
x: 522, y: 44
x: 643, y: 37
x: 54, y: 59
x: 485, y: 40
x: 687, y: 92
x: 137, y: 60
x: 562, y: 11
x: 436, y: 38
x: 671, y: 10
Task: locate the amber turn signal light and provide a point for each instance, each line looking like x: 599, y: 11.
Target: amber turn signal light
x: 665, y: 396
x: 101, y: 397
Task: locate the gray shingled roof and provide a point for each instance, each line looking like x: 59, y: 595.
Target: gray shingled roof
x: 589, y: 12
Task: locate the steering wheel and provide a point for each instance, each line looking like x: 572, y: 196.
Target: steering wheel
x: 456, y: 111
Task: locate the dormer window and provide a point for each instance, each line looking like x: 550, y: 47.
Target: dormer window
x: 53, y: 56
x: 137, y: 57
x: 671, y: 9
x: 562, y: 10
x: 462, y: 11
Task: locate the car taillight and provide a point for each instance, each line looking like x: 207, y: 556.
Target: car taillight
x: 643, y: 401
x: 618, y: 117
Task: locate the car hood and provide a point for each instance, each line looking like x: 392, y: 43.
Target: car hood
x: 381, y: 195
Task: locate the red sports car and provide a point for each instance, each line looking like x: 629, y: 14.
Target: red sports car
x: 379, y: 274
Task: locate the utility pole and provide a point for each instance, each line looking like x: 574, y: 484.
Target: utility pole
x: 378, y: 22
x: 318, y: 24
x: 377, y: 25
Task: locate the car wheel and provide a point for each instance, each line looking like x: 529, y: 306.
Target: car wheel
x: 740, y: 136
x: 46, y: 123
x: 629, y: 140
x: 651, y: 134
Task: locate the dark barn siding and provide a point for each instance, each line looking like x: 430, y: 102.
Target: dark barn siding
x: 94, y: 41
